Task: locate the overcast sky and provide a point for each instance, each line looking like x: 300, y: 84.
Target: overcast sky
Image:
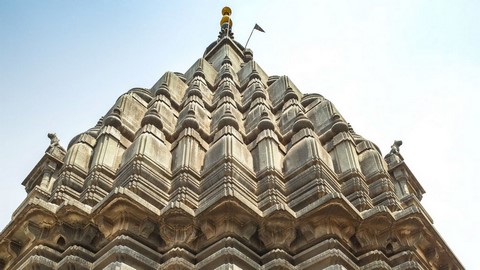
x: 406, y: 70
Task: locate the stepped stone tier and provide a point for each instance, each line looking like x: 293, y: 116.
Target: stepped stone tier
x: 222, y: 167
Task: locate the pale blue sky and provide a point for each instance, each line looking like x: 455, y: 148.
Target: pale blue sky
x: 405, y: 70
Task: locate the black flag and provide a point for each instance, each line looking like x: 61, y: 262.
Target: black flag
x: 257, y: 27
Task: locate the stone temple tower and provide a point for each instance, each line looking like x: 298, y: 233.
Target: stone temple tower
x: 222, y: 167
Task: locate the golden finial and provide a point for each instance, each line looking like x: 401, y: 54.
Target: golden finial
x: 226, y: 12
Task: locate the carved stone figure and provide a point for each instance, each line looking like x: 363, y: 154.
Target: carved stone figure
x: 395, y: 148
x: 54, y: 141
x: 55, y: 148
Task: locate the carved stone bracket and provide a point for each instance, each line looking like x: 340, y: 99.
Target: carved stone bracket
x: 9, y: 250
x: 342, y: 227
x: 208, y: 228
x: 373, y: 234
x: 67, y: 235
x: 177, y: 228
x: 409, y: 234
x: 277, y: 230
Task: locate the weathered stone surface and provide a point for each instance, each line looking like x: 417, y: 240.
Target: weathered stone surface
x: 222, y: 167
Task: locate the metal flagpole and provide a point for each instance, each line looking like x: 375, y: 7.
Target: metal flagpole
x: 253, y: 29
x: 256, y: 27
